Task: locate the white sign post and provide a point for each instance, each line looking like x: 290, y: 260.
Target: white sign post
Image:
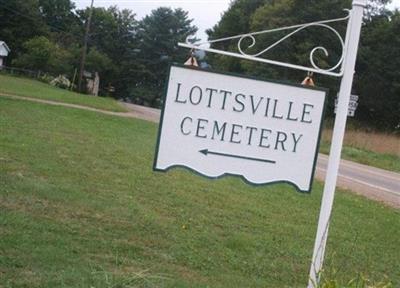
x: 350, y: 55
x: 218, y: 124
x: 347, y: 65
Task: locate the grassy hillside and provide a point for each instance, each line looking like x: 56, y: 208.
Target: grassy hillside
x: 371, y: 148
x: 378, y: 150
x: 35, y: 89
x: 81, y: 207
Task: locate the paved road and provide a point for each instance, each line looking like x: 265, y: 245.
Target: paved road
x: 374, y: 183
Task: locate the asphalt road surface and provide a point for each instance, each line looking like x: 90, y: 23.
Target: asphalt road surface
x: 371, y: 182
x: 374, y: 183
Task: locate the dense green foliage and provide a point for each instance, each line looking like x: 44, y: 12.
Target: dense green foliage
x: 20, y: 21
x: 159, y: 33
x: 131, y: 56
x: 378, y: 72
x: 42, y: 54
x: 377, y: 80
x: 81, y: 207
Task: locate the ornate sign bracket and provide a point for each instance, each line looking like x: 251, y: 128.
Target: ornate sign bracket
x: 344, y: 68
x: 336, y: 70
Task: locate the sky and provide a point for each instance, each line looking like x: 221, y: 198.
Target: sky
x: 206, y: 13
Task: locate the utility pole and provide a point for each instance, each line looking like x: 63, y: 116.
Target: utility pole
x: 84, y: 49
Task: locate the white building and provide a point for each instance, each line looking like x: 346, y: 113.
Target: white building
x: 4, y: 51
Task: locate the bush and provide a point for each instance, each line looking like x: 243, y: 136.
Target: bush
x: 42, y: 54
x: 61, y: 81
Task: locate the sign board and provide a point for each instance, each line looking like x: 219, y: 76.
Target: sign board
x: 217, y: 124
x: 353, y: 104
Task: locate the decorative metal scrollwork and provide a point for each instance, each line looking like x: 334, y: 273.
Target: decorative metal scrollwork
x: 256, y: 56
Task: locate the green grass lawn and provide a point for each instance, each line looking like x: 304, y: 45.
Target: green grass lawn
x: 81, y: 207
x: 36, y: 89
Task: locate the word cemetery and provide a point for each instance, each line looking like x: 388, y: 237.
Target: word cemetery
x: 218, y: 124
x: 247, y: 104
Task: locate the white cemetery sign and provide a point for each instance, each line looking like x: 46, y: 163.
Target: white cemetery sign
x: 218, y: 124
x: 344, y: 68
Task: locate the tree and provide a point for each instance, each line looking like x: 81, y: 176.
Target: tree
x: 377, y: 74
x: 62, y: 22
x: 42, y: 54
x: 20, y: 20
x: 235, y: 21
x: 113, y: 35
x: 269, y: 14
x: 47, y: 35
x: 58, y: 14
x: 159, y: 34
x: 99, y: 62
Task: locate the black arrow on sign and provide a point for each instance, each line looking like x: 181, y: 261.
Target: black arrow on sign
x: 206, y: 152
